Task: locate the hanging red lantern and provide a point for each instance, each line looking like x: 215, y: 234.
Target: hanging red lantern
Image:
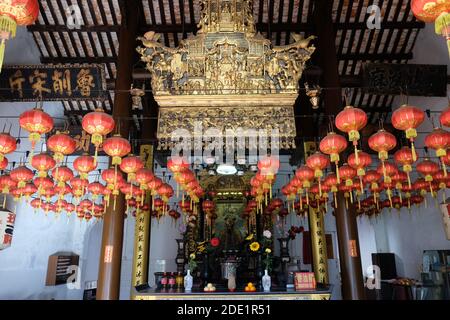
x: 130, y: 165
x: 98, y: 124
x: 62, y: 191
x: 437, y: 11
x: 389, y: 170
x: 3, y: 164
x: 165, y: 191
x: 96, y: 189
x: 208, y: 206
x: 382, y: 142
x: 6, y: 184
x: 37, y: 123
x: 36, y: 204
x: 143, y: 177
x: 84, y: 164
x: 331, y: 182
x: 306, y: 175
x: 365, y: 160
x: 428, y: 168
x: 116, y: 147
x: 61, y: 144
x: 268, y: 166
x: 333, y: 144
x: 318, y: 162
x: 408, y: 118
x: 177, y: 165
x: 347, y: 174
x: 404, y: 157
x: 79, y: 186
x: 351, y: 120
x: 42, y: 163
x: 21, y: 175
x: 42, y: 184
x: 444, y: 118
x: 15, y: 13
x: 29, y: 190
x: 7, y: 145
x: 439, y: 140
x: 62, y: 175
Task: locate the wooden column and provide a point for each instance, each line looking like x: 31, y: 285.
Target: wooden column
x: 112, y: 238
x: 347, y: 232
x: 349, y: 254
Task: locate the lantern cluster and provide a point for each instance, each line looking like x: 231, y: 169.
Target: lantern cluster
x: 261, y: 183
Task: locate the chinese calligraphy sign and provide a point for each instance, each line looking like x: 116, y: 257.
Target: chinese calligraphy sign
x: 7, y: 220
x: 53, y: 83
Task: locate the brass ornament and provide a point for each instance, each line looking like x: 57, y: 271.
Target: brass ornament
x: 226, y: 65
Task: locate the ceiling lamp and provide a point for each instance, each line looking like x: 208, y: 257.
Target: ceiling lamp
x: 226, y: 169
x: 15, y: 13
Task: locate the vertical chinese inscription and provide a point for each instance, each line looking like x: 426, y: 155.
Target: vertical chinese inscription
x: 319, y: 245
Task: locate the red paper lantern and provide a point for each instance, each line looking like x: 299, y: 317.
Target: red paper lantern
x: 62, y: 175
x: 15, y: 13
x: 382, y: 142
x: 428, y: 168
x: 364, y: 160
x: 269, y: 166
x: 143, y: 177
x: 61, y: 144
x: 318, y: 162
x: 444, y: 118
x: 21, y: 175
x: 96, y: 188
x: 36, y: 122
x: 408, y: 118
x: 79, y: 186
x: 177, y: 165
x: 84, y: 164
x: 351, y: 120
x: 439, y: 140
x: 165, y: 191
x: 6, y: 184
x: 116, y: 147
x: 347, y: 174
x: 333, y: 144
x: 404, y: 157
x: 98, y: 124
x: 3, y: 163
x: 7, y: 144
x: 208, y: 206
x: 43, y: 183
x: 130, y: 165
x: 42, y: 163
x: 437, y: 11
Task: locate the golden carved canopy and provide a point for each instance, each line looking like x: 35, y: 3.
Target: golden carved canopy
x: 226, y: 73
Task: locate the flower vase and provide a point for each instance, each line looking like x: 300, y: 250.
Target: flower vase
x: 188, y: 281
x: 266, y: 281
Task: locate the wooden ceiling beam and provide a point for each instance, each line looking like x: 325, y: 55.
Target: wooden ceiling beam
x: 192, y: 27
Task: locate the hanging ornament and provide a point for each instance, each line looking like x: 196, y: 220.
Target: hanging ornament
x: 15, y: 13
x: 22, y: 175
x: 331, y: 182
x: 428, y: 168
x: 3, y: 164
x: 351, y: 120
x: 444, y: 118
x: 62, y: 175
x: 306, y: 175
x: 61, y: 144
x: 365, y: 160
x: 439, y: 140
x: 318, y: 162
x: 7, y: 145
x: 437, y: 11
x: 333, y: 144
x: 408, y: 118
x: 347, y: 174
x: 37, y: 123
x: 382, y: 142
x: 404, y: 157
x: 84, y: 164
x: 98, y: 124
x: 42, y: 163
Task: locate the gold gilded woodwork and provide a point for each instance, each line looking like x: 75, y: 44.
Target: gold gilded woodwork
x: 226, y: 65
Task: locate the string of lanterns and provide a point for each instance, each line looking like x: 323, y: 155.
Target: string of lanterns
x: 72, y: 192
x: 310, y: 186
